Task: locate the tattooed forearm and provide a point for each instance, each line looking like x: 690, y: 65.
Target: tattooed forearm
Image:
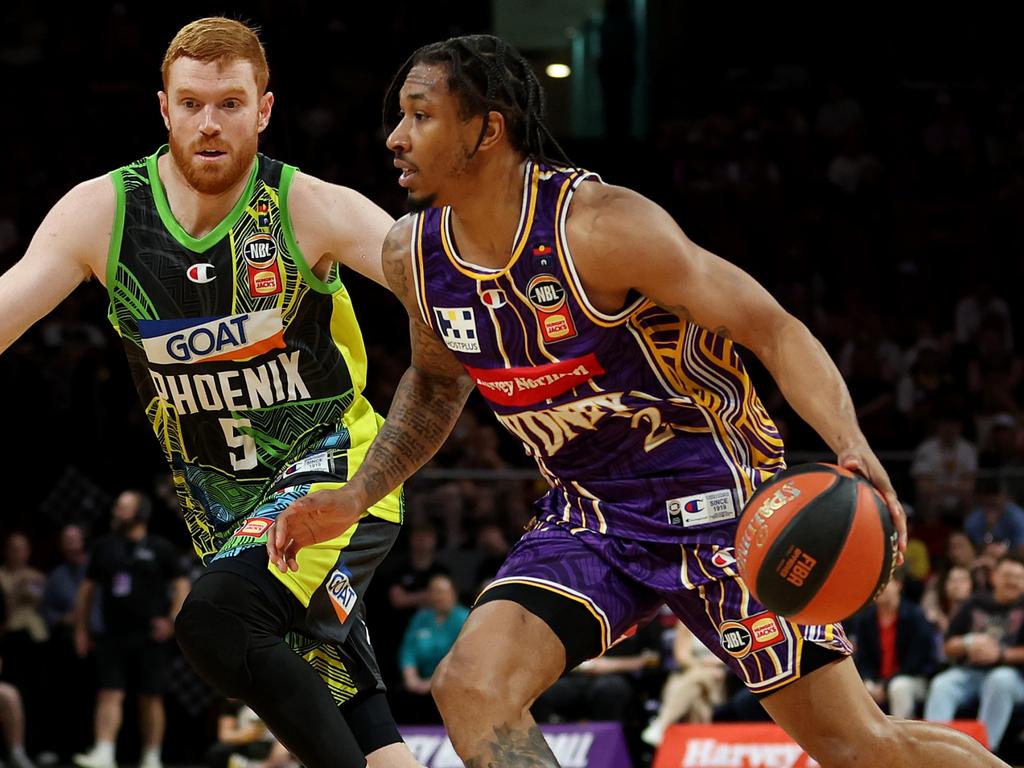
x: 429, y: 397
x: 422, y: 414
x: 515, y: 748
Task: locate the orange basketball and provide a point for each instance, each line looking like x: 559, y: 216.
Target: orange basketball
x: 816, y: 544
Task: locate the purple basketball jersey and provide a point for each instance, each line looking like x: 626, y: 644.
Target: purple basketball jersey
x: 644, y: 425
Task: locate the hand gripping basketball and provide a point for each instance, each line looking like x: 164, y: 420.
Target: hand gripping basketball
x: 817, y: 542
x: 864, y: 463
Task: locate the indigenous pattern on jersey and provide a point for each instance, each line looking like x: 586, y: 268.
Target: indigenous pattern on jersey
x: 244, y: 360
x: 644, y: 425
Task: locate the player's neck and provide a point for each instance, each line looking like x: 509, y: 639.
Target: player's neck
x: 196, y: 212
x: 487, y: 211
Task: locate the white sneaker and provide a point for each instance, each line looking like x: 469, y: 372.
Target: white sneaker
x: 653, y: 734
x: 151, y: 761
x: 93, y: 759
x: 21, y: 760
x: 238, y: 761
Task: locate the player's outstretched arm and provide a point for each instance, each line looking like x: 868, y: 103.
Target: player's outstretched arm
x: 426, y: 405
x: 620, y: 226
x: 334, y: 223
x: 70, y: 246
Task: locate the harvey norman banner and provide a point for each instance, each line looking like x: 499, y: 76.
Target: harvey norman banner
x: 747, y: 745
x: 586, y: 745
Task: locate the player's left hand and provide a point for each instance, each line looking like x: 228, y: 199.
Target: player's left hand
x: 863, y: 461
x: 320, y: 516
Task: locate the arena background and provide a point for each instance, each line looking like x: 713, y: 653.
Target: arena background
x: 864, y: 161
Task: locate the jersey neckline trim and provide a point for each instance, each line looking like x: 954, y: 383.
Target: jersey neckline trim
x: 214, y: 236
x: 531, y: 183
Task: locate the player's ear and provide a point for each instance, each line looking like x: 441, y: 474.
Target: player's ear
x: 162, y: 98
x: 266, y: 105
x: 495, y: 129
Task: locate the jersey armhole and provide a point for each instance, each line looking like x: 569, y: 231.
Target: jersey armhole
x: 114, y: 249
x: 318, y: 285
x: 595, y: 315
x: 419, y: 277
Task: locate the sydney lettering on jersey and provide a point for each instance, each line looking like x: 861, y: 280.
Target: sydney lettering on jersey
x: 532, y: 384
x: 237, y: 338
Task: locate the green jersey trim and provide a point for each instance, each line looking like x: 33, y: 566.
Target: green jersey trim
x: 214, y: 236
x: 318, y: 285
x: 114, y: 251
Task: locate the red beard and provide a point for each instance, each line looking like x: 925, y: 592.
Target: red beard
x: 213, y: 178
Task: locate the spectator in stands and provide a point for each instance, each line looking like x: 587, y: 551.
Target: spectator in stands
x: 995, y: 518
x: 142, y: 588
x: 692, y: 691
x: 429, y: 636
x: 985, y: 641
x: 945, y: 595
x: 401, y: 590
x: 23, y: 642
x: 604, y: 688
x: 23, y: 589
x: 944, y: 468
x: 994, y: 373
x: 1002, y: 453
x: 58, y: 609
x: 895, y: 651
x: 243, y: 741
x: 12, y: 721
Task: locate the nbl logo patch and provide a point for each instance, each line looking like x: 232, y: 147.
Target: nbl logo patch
x: 259, y: 251
x: 752, y: 634
x: 546, y: 293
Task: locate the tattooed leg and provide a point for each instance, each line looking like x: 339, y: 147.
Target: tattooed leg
x: 504, y: 659
x: 515, y: 748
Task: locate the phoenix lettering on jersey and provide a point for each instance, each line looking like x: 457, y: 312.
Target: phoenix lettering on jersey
x: 208, y: 339
x: 545, y: 432
x: 533, y: 384
x: 275, y: 381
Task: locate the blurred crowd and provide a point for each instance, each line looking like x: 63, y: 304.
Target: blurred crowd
x: 885, y: 213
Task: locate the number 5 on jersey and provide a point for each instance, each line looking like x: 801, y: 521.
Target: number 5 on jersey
x: 238, y: 434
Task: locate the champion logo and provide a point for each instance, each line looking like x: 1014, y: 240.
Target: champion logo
x: 723, y: 558
x: 493, y: 298
x: 201, y: 273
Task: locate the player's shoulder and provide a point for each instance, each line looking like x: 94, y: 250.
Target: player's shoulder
x: 82, y: 220
x: 89, y: 198
x: 607, y: 207
x: 396, y: 258
x: 400, y: 234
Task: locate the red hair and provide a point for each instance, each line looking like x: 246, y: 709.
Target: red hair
x: 219, y: 39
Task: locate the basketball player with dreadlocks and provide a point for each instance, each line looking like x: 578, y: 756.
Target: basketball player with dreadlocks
x: 222, y: 267
x: 603, y: 338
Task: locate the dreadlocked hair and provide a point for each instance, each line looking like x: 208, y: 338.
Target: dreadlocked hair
x: 487, y: 74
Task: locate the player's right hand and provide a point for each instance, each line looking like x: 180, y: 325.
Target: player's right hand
x: 320, y: 516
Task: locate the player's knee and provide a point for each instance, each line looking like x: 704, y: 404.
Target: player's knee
x: 460, y: 686
x: 216, y: 644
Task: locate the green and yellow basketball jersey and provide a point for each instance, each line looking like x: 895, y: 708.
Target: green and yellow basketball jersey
x: 243, y: 358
